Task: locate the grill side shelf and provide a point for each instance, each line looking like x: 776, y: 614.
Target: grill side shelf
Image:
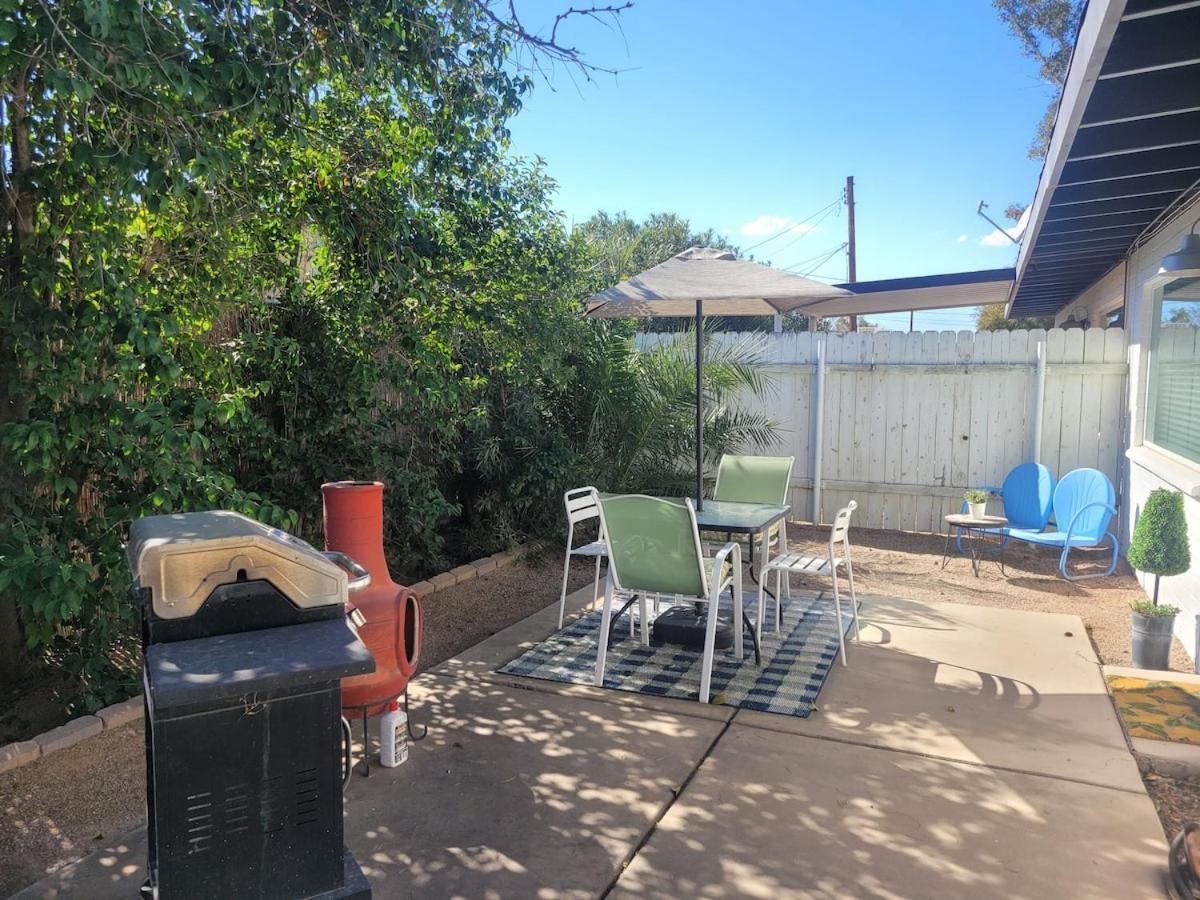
x: 227, y: 667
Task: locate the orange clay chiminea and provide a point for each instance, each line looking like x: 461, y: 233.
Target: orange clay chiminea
x: 354, y: 526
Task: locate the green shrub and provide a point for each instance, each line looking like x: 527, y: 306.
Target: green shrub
x: 975, y: 495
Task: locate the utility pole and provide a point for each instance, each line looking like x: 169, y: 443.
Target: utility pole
x: 850, y: 255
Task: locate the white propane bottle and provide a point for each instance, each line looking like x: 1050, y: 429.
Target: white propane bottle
x: 393, y: 736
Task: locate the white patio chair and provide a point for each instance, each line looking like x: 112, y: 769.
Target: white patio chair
x: 582, y: 504
x: 796, y: 563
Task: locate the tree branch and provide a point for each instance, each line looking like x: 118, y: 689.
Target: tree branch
x: 549, y: 47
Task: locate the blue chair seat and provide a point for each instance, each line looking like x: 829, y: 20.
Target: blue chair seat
x: 1047, y: 538
x: 1007, y: 530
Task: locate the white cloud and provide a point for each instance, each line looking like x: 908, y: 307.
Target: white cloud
x: 765, y: 225
x: 997, y: 238
x: 962, y: 238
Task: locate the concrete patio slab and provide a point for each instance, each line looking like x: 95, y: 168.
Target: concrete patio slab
x: 1003, y: 688
x: 784, y: 816
x: 513, y: 794
x: 966, y: 751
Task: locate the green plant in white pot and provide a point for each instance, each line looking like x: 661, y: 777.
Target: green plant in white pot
x: 1159, y: 547
x: 976, y: 502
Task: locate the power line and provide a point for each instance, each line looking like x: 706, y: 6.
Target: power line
x: 828, y: 257
x: 821, y: 255
x: 811, y: 228
x: 791, y: 226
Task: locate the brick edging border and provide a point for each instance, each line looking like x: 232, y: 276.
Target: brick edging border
x: 470, y: 571
x: 21, y: 753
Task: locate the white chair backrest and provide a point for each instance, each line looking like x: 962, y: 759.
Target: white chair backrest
x: 582, y: 504
x: 841, y: 525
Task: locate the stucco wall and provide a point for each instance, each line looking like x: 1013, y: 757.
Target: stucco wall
x: 1146, y: 469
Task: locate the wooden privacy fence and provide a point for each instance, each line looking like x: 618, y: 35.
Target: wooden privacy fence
x: 905, y: 422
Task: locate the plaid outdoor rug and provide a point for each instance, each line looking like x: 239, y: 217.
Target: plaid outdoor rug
x: 795, y: 661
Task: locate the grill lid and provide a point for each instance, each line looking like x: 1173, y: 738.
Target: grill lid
x: 182, y: 558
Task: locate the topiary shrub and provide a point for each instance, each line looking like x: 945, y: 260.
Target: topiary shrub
x: 1160, y: 541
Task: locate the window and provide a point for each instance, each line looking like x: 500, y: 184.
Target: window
x: 1173, y: 403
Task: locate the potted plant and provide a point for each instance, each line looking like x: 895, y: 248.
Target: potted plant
x: 976, y: 502
x: 1159, y: 547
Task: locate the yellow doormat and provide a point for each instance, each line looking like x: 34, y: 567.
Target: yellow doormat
x: 1158, y: 710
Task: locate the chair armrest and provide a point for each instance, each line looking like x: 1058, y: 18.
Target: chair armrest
x: 719, y: 563
x: 1071, y: 527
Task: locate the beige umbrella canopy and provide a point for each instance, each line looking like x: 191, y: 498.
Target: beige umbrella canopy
x: 726, y: 285
x: 704, y: 280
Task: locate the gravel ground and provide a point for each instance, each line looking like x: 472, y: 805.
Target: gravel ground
x: 909, y: 565
x: 58, y: 808
x: 460, y: 617
x: 63, y: 806
x: 1176, y: 799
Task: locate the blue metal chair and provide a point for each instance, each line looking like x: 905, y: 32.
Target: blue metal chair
x: 1028, y: 495
x: 1085, y: 502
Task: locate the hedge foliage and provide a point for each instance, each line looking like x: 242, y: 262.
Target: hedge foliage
x: 253, y: 248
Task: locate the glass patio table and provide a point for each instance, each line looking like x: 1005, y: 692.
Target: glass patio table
x: 743, y: 518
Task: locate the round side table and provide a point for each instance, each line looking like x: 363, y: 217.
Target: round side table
x: 976, y: 529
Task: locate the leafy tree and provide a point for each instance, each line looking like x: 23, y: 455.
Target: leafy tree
x: 1160, y: 543
x: 1014, y: 211
x: 991, y: 318
x: 1185, y: 315
x: 1046, y: 30
x: 248, y: 249
x: 622, y: 247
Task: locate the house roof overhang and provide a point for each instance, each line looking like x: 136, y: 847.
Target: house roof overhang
x: 1124, y: 155
x: 920, y: 292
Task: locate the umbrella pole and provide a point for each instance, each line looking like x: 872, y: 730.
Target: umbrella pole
x: 699, y: 404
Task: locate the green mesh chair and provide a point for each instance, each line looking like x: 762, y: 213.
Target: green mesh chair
x: 754, y: 479
x: 758, y: 479
x: 654, y: 548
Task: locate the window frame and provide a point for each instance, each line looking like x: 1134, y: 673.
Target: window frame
x: 1157, y: 291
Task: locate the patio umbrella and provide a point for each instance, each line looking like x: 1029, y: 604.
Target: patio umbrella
x: 707, y: 280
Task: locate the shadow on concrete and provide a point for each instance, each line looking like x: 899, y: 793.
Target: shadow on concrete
x: 781, y: 816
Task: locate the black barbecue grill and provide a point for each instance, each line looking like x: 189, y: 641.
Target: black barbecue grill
x: 244, y: 640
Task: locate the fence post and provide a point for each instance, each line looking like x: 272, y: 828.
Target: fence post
x: 1039, y: 400
x: 818, y: 428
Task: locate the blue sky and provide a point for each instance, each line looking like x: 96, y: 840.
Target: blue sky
x: 746, y: 116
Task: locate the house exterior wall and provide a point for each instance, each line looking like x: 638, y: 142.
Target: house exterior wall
x: 1102, y: 298
x: 1146, y: 468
